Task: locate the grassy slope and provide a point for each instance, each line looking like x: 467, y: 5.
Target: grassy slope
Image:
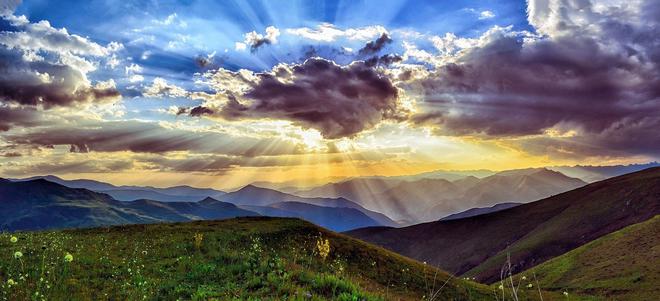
x: 605, y: 207
x: 623, y: 265
x: 531, y: 233
x: 238, y: 259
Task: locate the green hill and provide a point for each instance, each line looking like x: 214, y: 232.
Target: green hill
x: 623, y: 265
x: 254, y: 258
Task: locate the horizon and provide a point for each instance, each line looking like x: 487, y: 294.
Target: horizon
x: 226, y: 94
x: 281, y: 184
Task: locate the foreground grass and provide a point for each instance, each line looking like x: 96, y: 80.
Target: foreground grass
x: 236, y: 259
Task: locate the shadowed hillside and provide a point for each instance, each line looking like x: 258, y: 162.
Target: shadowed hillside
x: 531, y: 233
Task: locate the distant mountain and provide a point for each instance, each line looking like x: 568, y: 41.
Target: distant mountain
x: 334, y: 218
x: 513, y: 186
x: 251, y: 195
x: 130, y: 193
x: 423, y: 200
x: 41, y: 204
x: 479, y: 211
x: 362, y: 190
x: 531, y: 233
x: 622, y: 265
x: 597, y: 173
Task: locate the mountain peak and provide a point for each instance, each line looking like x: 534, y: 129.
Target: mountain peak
x: 208, y: 200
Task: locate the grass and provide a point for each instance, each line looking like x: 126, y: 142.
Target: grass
x: 235, y: 259
x: 623, y: 265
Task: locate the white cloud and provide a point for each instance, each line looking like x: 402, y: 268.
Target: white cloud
x: 161, y: 88
x: 486, y: 14
x: 172, y: 19
x: 255, y: 40
x: 326, y: 32
x: 136, y: 78
x: 240, y: 46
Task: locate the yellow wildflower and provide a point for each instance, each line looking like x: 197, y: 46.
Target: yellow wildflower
x: 323, y: 247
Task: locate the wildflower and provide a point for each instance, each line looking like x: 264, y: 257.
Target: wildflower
x: 324, y: 247
x: 13, y: 239
x: 199, y: 237
x: 501, y: 287
x: 524, y: 278
x: 11, y: 282
x: 68, y: 257
x: 530, y: 285
x: 18, y: 254
x: 566, y: 293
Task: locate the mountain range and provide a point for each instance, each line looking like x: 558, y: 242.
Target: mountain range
x: 530, y: 233
x: 181, y: 193
x: 411, y: 202
x: 41, y: 204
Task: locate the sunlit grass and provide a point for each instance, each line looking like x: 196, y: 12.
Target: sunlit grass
x: 237, y: 259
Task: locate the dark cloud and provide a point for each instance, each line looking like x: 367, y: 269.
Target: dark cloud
x: 46, y: 84
x: 339, y: 101
x: 604, y: 85
x: 200, y: 110
x: 384, y: 60
x: 182, y: 110
x: 87, y: 166
x: 144, y: 137
x: 373, y: 47
x: 11, y: 155
x: 203, y: 61
x: 17, y: 116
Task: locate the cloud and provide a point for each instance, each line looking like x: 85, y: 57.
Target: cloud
x: 11, y: 116
x: 592, y: 70
x: 7, y: 7
x: 256, y: 40
x: 486, y: 14
x: 70, y: 166
x: 326, y: 32
x: 148, y: 137
x: 161, y: 88
x: 47, y: 67
x: 338, y: 101
x: 373, y: 47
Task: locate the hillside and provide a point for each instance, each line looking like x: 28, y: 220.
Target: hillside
x: 532, y: 233
x: 236, y: 259
x: 40, y: 204
x: 479, y: 211
x: 623, y: 265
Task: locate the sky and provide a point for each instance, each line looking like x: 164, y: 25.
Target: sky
x: 224, y: 93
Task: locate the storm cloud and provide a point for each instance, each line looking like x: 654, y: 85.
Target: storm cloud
x: 595, y: 81
x: 338, y: 101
